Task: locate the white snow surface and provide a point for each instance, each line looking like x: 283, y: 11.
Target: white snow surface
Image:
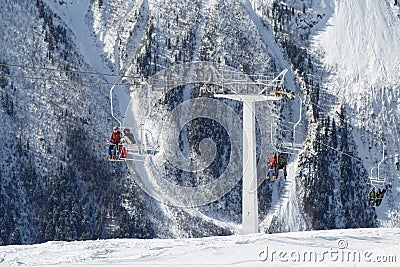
x: 361, y: 41
x: 352, y: 247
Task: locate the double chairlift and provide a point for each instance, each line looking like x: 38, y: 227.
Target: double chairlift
x: 137, y: 141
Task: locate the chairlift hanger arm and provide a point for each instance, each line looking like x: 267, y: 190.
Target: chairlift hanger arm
x: 383, y: 157
x: 112, y: 107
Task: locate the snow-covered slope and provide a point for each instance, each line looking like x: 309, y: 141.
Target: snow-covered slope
x: 361, y: 247
x: 359, y: 48
x: 361, y: 41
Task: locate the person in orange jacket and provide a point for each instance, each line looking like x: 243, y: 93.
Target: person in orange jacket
x: 115, y: 139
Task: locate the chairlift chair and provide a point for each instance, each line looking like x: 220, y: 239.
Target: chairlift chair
x: 141, y: 146
x: 150, y: 146
x: 292, y: 147
x: 378, y: 180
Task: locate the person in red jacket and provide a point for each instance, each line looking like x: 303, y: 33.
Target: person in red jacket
x: 115, y: 139
x: 272, y: 164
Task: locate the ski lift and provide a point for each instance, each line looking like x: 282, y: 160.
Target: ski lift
x: 148, y: 144
x: 378, y: 180
x: 276, y: 166
x: 284, y: 149
x: 132, y: 149
x: 295, y: 146
x: 137, y: 148
x: 291, y: 147
x: 118, y: 150
x: 284, y: 92
x: 136, y: 141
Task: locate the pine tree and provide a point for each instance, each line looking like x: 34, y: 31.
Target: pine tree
x: 15, y: 237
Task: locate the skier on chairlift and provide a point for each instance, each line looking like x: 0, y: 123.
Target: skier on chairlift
x: 280, y: 91
x: 115, y: 139
x: 126, y: 142
x: 371, y: 197
x: 379, y: 196
x: 128, y: 137
x: 282, y: 163
x: 272, y: 164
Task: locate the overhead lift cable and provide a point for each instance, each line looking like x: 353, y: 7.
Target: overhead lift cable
x: 343, y: 120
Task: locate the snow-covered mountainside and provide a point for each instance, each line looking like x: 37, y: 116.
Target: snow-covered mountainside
x: 60, y: 58
x: 358, y: 48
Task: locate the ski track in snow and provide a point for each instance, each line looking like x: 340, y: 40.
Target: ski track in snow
x: 249, y: 250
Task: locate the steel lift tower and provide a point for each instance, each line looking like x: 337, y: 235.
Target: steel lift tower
x: 249, y: 187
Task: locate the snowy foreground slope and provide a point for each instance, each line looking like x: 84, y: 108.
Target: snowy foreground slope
x: 355, y: 247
